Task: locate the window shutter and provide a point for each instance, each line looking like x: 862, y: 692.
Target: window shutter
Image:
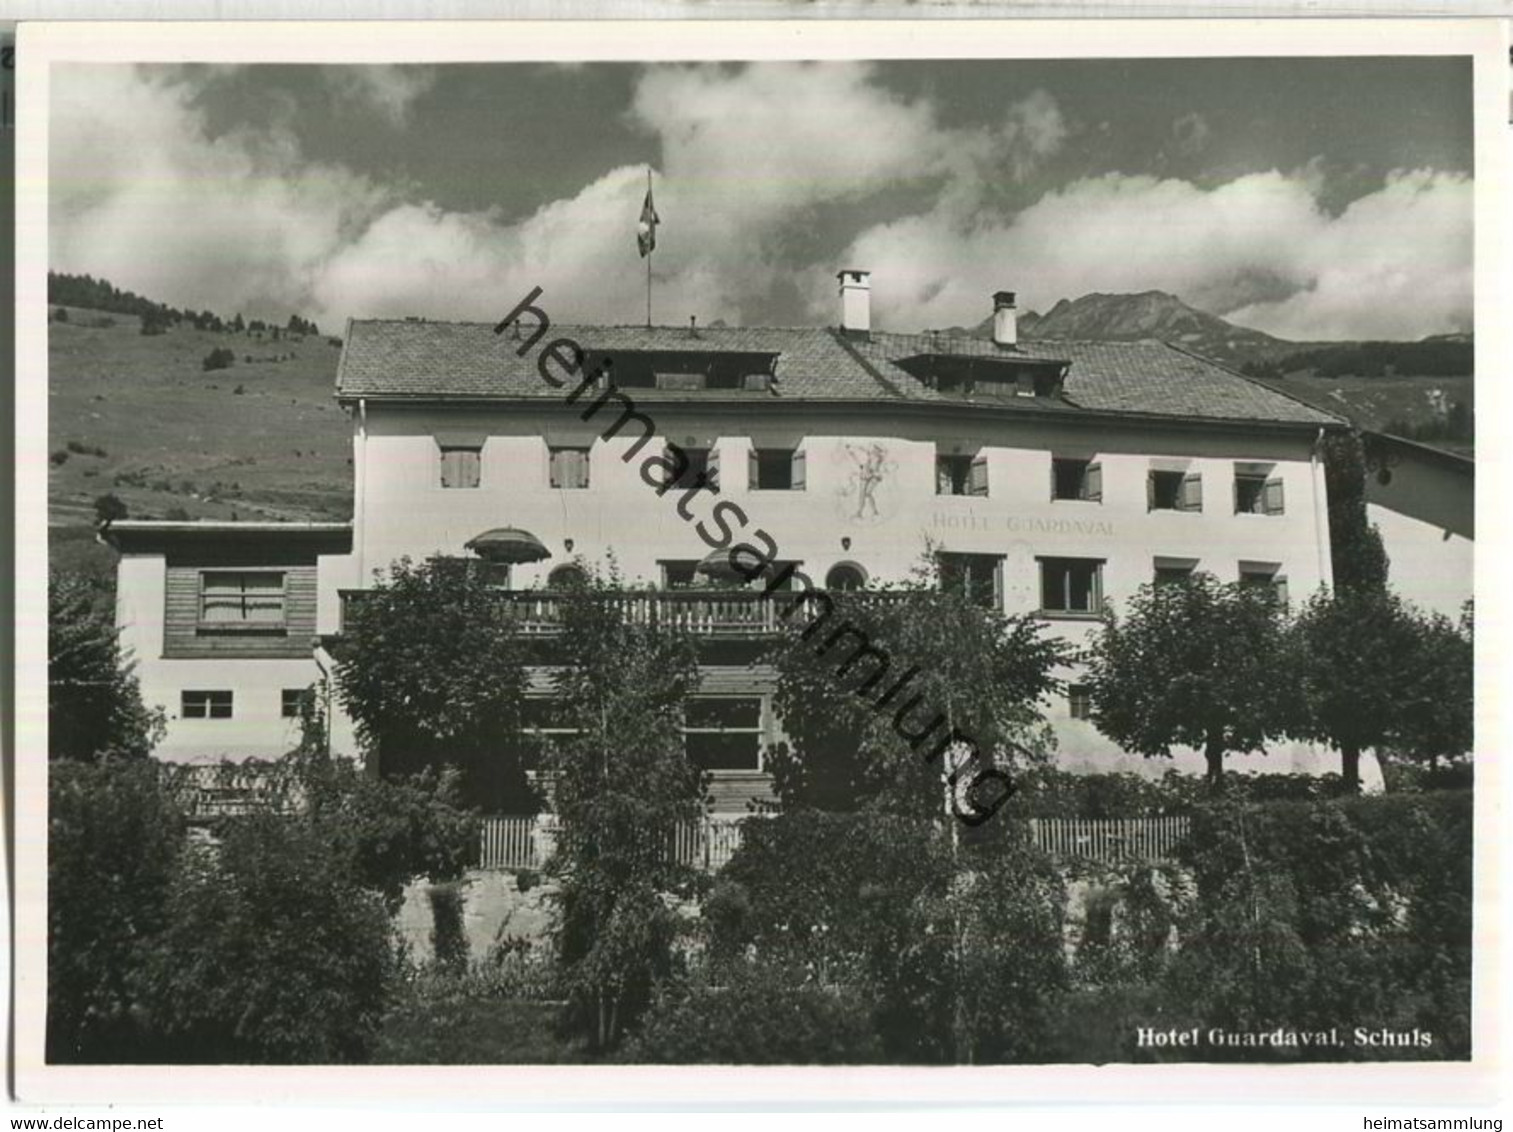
x: 1092, y: 483
x: 580, y: 469
x: 1279, y: 585
x: 977, y: 477
x: 798, y: 469
x: 942, y: 476
x: 1272, y: 497
x: 712, y: 466
x: 753, y: 470
x: 448, y: 467
x: 1192, y: 492
x: 1150, y: 491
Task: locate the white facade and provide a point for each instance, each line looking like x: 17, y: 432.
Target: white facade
x: 867, y: 482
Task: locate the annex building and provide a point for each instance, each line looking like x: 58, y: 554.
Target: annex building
x: 1052, y: 477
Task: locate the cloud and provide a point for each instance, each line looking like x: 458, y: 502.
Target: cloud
x: 756, y: 162
x: 1396, y: 263
x: 142, y: 195
x: 386, y: 89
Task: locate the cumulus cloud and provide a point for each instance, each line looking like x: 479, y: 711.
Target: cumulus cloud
x: 1396, y: 263
x: 144, y: 194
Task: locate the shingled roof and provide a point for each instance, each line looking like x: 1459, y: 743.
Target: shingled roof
x: 425, y: 360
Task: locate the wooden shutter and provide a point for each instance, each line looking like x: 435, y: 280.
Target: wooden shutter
x: 977, y: 476
x: 798, y: 469
x: 579, y: 469
x: 1279, y: 587
x: 1271, y: 496
x: 712, y: 467
x: 1192, y: 492
x: 753, y: 470
x: 1150, y: 491
x: 1092, y: 483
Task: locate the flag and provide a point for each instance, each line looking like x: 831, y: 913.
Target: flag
x: 646, y: 230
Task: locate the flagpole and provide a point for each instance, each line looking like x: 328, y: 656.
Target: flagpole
x: 649, y: 254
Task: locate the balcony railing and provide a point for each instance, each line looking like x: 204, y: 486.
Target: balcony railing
x: 713, y: 613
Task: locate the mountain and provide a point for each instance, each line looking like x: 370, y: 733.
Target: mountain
x: 1149, y: 314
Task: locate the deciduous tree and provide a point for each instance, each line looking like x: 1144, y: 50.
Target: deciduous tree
x: 1196, y: 663
x: 432, y: 672
x: 621, y: 786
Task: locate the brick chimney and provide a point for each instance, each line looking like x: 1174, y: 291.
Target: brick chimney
x: 1005, y: 319
x: 856, y: 301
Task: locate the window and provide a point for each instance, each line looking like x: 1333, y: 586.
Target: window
x: 205, y: 705
x: 723, y: 732
x: 961, y: 475
x: 242, y: 599
x: 1265, y: 576
x: 292, y: 702
x: 1071, y: 586
x: 700, y: 462
x: 1257, y: 492
x: 681, y: 382
x: 975, y: 576
x: 569, y: 468
x: 567, y: 577
x: 1173, y: 570
x: 776, y: 469
x: 461, y: 466
x: 1079, y: 700
x: 1076, y: 479
x: 846, y: 576
x: 1174, y: 491
x: 679, y: 573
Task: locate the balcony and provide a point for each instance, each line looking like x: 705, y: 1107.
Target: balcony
x: 705, y: 613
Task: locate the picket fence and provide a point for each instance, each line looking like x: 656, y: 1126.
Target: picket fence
x: 1109, y: 840
x: 526, y: 843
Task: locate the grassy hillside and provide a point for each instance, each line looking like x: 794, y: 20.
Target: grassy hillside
x: 1380, y: 402
x: 139, y: 417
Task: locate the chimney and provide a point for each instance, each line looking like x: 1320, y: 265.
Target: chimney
x: 856, y: 301
x: 1005, y: 319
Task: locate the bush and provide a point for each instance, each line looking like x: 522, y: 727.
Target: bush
x: 58, y: 458
x: 113, y: 840
x: 218, y: 358
x: 270, y: 955
x: 958, y: 949
x: 757, y: 1019
x: 60, y: 314
x: 1313, y: 914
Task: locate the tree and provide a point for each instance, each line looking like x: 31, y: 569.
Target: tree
x: 113, y: 842
x: 1436, y: 713
x: 872, y: 682
x: 1195, y: 663
x: 1355, y: 655
x: 218, y: 358
x: 432, y: 672
x: 621, y: 786
x: 1358, y: 557
x: 109, y: 508
x: 94, y: 705
x: 270, y: 953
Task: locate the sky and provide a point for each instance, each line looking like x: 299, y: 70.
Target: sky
x: 1313, y: 199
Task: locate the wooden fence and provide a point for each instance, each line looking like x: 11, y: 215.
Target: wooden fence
x: 1109, y: 840
x: 526, y: 843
